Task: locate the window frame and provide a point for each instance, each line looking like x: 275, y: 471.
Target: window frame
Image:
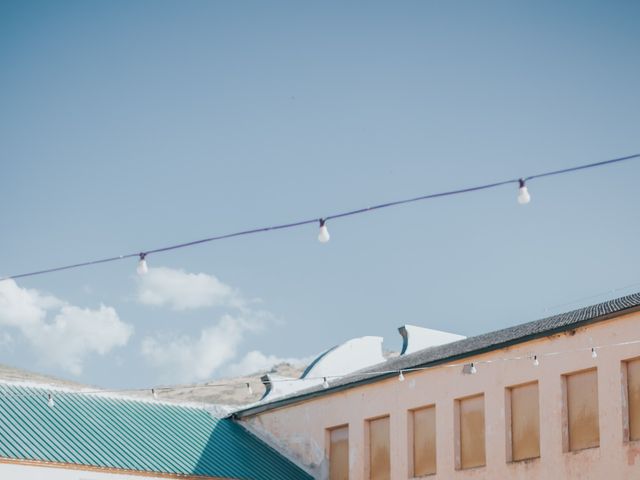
x: 367, y: 442
x: 411, y: 440
x: 509, y: 422
x: 327, y: 449
x: 626, y: 405
x: 566, y: 434
x: 458, y: 430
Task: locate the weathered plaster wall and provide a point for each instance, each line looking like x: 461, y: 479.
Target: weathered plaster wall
x: 301, y: 429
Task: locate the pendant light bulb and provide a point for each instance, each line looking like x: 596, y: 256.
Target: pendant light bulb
x: 249, y: 389
x: 323, y: 235
x: 473, y: 370
x: 154, y: 393
x: 51, y: 402
x: 401, y: 377
x: 536, y: 362
x: 594, y: 354
x: 142, y: 268
x: 325, y: 384
x: 523, y: 193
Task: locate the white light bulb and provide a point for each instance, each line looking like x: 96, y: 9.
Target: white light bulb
x: 535, y: 361
x: 523, y: 194
x: 594, y: 354
x: 142, y: 268
x: 401, y: 377
x: 325, y: 384
x: 473, y: 369
x: 154, y: 393
x: 249, y: 389
x: 51, y: 402
x: 323, y: 235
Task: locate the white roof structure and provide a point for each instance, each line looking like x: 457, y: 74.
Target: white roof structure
x: 351, y: 356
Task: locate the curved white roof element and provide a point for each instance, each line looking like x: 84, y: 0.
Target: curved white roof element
x: 416, y: 338
x: 348, y: 357
x: 278, y: 386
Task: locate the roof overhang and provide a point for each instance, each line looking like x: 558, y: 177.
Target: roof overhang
x: 314, y: 393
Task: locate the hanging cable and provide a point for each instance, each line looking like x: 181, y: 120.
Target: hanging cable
x: 470, y: 368
x: 322, y: 220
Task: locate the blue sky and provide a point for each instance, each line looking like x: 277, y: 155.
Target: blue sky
x: 127, y: 126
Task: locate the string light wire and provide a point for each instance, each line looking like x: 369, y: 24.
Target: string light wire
x: 322, y: 220
x: 324, y: 379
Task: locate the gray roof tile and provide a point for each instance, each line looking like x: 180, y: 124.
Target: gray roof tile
x: 462, y: 348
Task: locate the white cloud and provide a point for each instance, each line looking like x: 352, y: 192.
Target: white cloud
x: 180, y: 290
x: 189, y: 359
x: 23, y: 308
x: 256, y: 361
x: 72, y: 335
x: 186, y: 358
x: 76, y: 332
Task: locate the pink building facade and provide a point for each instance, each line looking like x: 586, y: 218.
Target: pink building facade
x: 556, y: 398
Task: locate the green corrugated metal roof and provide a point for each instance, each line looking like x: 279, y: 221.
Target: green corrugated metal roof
x: 111, y: 432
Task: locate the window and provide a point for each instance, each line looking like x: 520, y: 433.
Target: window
x: 339, y: 453
x: 470, y: 451
x: 581, y: 410
x: 523, y: 417
x: 424, y: 441
x: 379, y: 459
x: 633, y: 398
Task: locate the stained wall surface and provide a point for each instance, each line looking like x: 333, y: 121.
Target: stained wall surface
x: 583, y: 417
x: 339, y: 453
x: 301, y: 429
x: 470, y: 432
x: 424, y: 441
x: 379, y: 461
x: 633, y: 391
x: 524, y: 402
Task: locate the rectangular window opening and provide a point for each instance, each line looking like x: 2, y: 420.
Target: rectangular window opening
x: 633, y: 398
x: 338, y: 439
x: 379, y: 451
x: 424, y: 441
x: 523, y: 422
x: 470, y: 432
x: 581, y: 411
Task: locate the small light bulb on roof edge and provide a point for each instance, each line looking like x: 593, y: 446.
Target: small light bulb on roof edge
x: 51, y: 402
x: 473, y: 370
x: 401, y: 377
x: 536, y: 362
x: 325, y: 384
x: 249, y: 389
x: 323, y: 235
x: 594, y: 354
x: 154, y: 393
x: 523, y: 193
x: 142, y: 268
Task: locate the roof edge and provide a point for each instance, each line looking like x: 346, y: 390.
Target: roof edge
x: 285, y: 402
x: 97, y: 469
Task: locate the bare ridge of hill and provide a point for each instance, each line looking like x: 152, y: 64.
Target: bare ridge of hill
x: 224, y: 391
x: 12, y: 374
